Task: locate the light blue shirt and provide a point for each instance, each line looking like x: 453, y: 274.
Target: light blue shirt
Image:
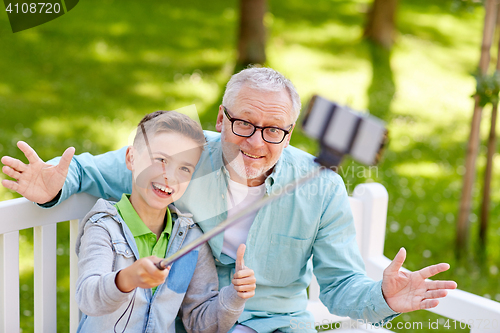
x: 310, y: 228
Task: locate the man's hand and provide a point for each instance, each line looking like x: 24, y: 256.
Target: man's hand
x: 37, y: 181
x: 243, y: 278
x: 405, y: 292
x: 143, y: 274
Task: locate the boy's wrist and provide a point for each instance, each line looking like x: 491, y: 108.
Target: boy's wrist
x: 122, y: 282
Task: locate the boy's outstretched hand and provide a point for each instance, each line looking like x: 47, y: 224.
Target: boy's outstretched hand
x: 243, y: 278
x: 410, y: 291
x: 36, y: 181
x: 142, y: 273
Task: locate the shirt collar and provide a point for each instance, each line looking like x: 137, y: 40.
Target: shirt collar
x: 134, y: 222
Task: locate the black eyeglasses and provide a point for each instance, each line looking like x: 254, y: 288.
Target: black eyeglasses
x: 245, y: 129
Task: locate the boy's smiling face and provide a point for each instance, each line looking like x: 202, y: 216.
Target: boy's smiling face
x: 163, y: 177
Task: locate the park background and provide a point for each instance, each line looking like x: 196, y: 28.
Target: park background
x: 87, y: 78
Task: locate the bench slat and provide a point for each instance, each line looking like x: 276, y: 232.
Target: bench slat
x: 45, y: 276
x: 74, y: 311
x: 19, y: 214
x: 9, y: 285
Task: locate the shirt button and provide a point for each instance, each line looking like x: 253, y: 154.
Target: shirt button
x: 223, y: 196
x: 180, y: 233
x: 126, y: 251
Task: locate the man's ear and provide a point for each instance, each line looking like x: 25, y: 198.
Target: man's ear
x: 220, y: 118
x: 289, y: 136
x: 129, y: 158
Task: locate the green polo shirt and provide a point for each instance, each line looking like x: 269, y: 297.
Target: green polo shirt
x: 144, y: 238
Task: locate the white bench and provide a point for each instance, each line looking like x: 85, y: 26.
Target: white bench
x: 369, y: 205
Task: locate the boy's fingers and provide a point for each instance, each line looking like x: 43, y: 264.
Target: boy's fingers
x: 153, y: 269
x: 11, y: 172
x: 240, y: 262
x: 14, y: 163
x: 246, y: 294
x: 30, y: 154
x: 244, y: 281
x: 10, y: 184
x: 246, y: 272
x: 245, y: 288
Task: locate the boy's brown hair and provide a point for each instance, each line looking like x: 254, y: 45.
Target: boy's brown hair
x: 171, y: 122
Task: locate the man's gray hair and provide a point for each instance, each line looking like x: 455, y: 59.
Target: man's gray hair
x: 262, y: 79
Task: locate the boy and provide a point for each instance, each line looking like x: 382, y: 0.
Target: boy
x: 118, y: 245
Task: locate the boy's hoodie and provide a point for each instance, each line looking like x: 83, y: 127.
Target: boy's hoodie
x: 105, y: 245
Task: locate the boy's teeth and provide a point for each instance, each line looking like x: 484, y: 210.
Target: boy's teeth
x: 163, y: 188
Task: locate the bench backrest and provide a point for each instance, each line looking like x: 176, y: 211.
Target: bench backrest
x: 19, y: 214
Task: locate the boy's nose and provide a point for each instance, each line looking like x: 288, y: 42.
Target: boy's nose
x: 169, y: 175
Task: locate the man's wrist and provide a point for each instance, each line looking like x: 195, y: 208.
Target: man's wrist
x: 52, y: 202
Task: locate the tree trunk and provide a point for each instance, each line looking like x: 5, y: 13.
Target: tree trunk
x: 380, y: 26
x: 473, y: 144
x: 252, y: 33
x: 485, y: 205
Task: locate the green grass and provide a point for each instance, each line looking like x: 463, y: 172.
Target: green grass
x: 86, y: 78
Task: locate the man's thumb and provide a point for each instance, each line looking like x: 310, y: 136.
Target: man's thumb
x: 398, y: 261
x: 240, y: 262
x: 66, y: 158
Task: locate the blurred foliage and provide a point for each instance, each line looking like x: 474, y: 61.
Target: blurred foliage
x: 487, y: 88
x: 466, y: 5
x: 88, y: 77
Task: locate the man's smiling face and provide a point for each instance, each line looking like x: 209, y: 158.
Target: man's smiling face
x: 249, y: 160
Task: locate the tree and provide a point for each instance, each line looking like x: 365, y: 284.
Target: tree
x: 380, y: 26
x: 252, y: 34
x: 473, y: 144
x: 485, y: 205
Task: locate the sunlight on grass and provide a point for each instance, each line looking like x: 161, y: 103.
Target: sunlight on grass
x: 119, y: 29
x: 192, y: 87
x: 345, y: 84
x: 443, y: 28
x: 425, y: 88
x: 208, y: 57
x: 103, y: 52
x: 44, y: 93
x: 149, y: 89
x: 317, y: 36
x: 31, y: 35
x: 91, y: 131
x: 5, y: 89
x: 421, y: 169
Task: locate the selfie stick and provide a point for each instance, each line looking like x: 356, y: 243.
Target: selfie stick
x: 234, y: 219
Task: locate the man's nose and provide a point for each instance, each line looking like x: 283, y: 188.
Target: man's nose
x: 256, y: 139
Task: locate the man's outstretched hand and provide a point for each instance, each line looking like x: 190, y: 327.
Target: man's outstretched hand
x: 36, y: 181
x: 405, y: 292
